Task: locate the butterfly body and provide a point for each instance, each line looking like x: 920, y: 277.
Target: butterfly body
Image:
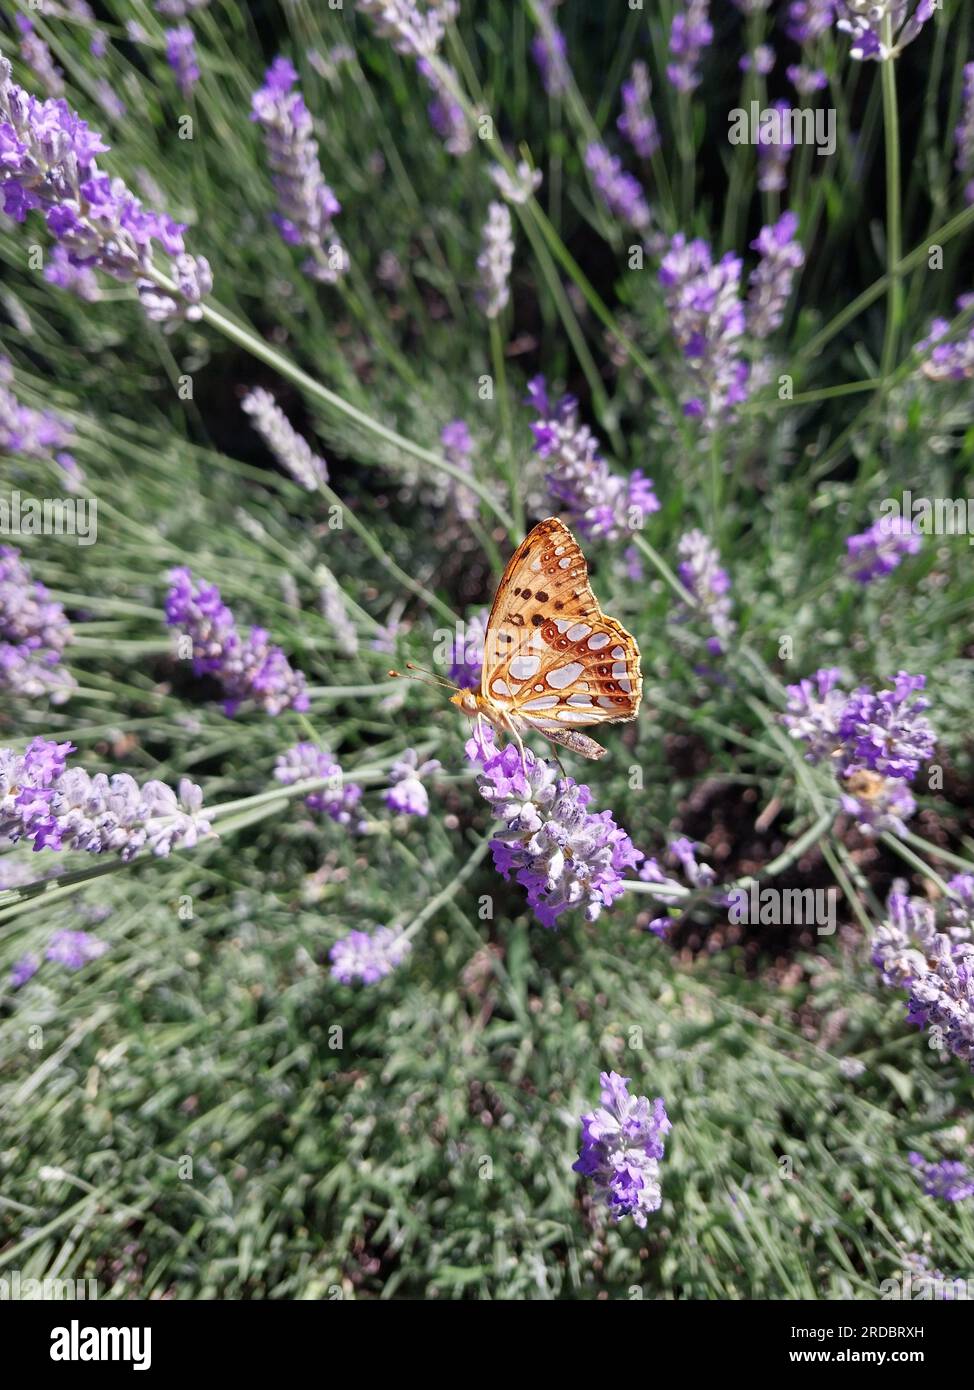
x: 553, y: 661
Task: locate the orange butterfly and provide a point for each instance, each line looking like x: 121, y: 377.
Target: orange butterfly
x: 552, y: 660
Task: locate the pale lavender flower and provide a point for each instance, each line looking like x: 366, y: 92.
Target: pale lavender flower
x: 109, y: 100
x: 247, y: 668
x: 33, y: 634
x: 887, y: 731
x: 762, y: 60
x: 457, y: 449
x: 291, y: 449
x: 47, y: 164
x: 865, y: 22
x: 946, y: 359
x: 775, y: 147
x: 809, y: 19
x: 407, y: 796
x: 306, y: 205
x: 964, y: 134
x: 620, y: 192
x: 74, y: 949
x: 815, y: 708
x: 602, y: 504
x: 701, y: 573
x: 366, y: 957
x: 333, y: 609
x: 942, y: 997
x: 181, y: 57
x: 38, y: 57
x: 876, y: 552
x: 469, y: 656
x: 948, y: 1180
x: 691, y: 33
x: 178, y: 9
x: 98, y: 46
x: 446, y: 114
x: 622, y: 1145
x: 637, y: 122
x: 805, y: 80
x: 415, y: 30
x: 548, y: 49
x: 339, y: 800
x: 518, y: 187
x: 771, y: 281
x: 751, y: 6
x: 562, y: 854
x: 707, y: 317
x: 23, y: 969
x: 495, y: 260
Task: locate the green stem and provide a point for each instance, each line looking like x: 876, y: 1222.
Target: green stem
x: 894, y: 249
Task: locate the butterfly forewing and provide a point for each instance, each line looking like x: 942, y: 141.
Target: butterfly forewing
x: 551, y: 656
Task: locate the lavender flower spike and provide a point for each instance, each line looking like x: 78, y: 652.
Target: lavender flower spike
x: 47, y: 165
x: 949, y: 1180
x: 33, y: 634
x: 248, y: 668
x: 637, y: 122
x: 407, y: 795
x: 518, y: 187
x: 865, y: 21
x: 691, y: 33
x: 495, y: 260
x: 622, y: 1145
x: 181, y: 57
x: 771, y: 280
x: 339, y: 799
x: 74, y: 949
x: 563, y: 855
x: 620, y: 192
x: 814, y: 710
x: 367, y: 957
x: 888, y: 732
x: 878, y: 551
x: 548, y: 49
x: 708, y: 322
x: 306, y: 204
x: 701, y: 573
x: 413, y: 30
x: 965, y: 134
x: 290, y: 449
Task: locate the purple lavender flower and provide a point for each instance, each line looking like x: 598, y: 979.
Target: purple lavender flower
x: 874, y: 553
x: 637, y: 122
x: 38, y: 57
x: 446, y: 114
x: 306, y: 204
x: 887, y: 732
x: 946, y: 360
x: 815, y: 708
x: 33, y: 634
x: 248, y: 668
x: 948, y: 1180
x: 61, y: 270
x: 34, y: 434
x: 775, y: 147
x: 47, y: 164
x: 942, y: 997
x: 808, y: 19
x: 548, y: 49
x: 701, y: 573
x: 457, y: 449
x: 367, y: 957
x: 965, y: 134
x: 620, y: 192
x: 781, y: 257
x: 181, y: 57
x: 290, y: 449
x: 469, y: 658
x: 805, y: 80
x: 495, y: 260
x: 691, y: 33
x: 762, y: 60
x: 23, y: 969
x: 307, y: 762
x: 74, y: 949
x: 865, y: 22
x: 562, y: 854
x: 622, y: 1145
x: 876, y: 803
x: 703, y: 299
x: 602, y: 504
x: 407, y: 796
x: 413, y: 31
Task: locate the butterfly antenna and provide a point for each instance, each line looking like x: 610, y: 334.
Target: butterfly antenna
x: 426, y: 678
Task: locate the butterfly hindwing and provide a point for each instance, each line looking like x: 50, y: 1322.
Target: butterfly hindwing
x: 552, y: 659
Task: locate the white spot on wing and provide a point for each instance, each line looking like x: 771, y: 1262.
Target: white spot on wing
x: 565, y: 675
x: 605, y: 701
x: 619, y: 668
x: 524, y: 667
x: 598, y: 640
x: 542, y: 702
x: 580, y: 699
x: 618, y: 653
x: 580, y: 630
x: 499, y: 687
x: 564, y: 562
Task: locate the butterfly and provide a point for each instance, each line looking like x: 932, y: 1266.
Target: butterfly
x: 553, y: 661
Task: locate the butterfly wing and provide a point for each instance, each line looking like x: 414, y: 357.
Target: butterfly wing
x: 552, y: 659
